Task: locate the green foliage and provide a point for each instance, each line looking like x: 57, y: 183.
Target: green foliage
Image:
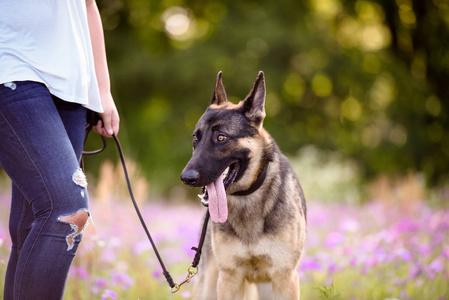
x: 367, y: 79
x: 328, y: 292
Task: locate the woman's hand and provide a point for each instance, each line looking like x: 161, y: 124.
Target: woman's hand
x: 110, y: 118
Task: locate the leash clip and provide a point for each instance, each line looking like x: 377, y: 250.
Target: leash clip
x: 191, y: 272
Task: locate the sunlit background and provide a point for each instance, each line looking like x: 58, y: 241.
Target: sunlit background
x: 357, y: 97
x: 364, y: 81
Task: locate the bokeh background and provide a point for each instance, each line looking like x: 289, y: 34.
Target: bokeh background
x: 366, y: 80
x: 357, y: 97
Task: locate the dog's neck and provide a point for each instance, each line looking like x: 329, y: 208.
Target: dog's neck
x: 256, y: 184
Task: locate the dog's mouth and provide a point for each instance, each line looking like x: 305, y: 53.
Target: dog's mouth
x: 214, y: 195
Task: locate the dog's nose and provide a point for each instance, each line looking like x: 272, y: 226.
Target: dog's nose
x: 190, y: 177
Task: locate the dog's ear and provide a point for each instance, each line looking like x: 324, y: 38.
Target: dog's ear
x: 219, y: 96
x: 254, y: 103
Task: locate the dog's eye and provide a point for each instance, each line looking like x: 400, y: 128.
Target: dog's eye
x: 221, y: 138
x: 195, y: 139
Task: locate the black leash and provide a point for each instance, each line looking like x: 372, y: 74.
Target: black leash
x: 193, y: 269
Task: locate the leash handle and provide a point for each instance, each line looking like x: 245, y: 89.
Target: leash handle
x: 92, y: 119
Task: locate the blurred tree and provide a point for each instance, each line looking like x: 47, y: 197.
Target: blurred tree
x: 366, y: 78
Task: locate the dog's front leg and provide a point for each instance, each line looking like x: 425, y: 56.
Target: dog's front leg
x: 231, y: 286
x: 286, y: 286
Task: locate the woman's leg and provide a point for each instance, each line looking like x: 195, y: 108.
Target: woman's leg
x: 38, y: 155
x: 20, y: 221
x: 73, y: 116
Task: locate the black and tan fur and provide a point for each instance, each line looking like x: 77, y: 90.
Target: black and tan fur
x: 263, y: 237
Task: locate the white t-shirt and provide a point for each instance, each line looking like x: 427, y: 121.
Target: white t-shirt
x: 48, y: 41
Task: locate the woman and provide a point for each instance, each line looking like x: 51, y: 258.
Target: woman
x: 52, y: 69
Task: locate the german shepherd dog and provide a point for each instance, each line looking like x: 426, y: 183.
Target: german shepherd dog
x: 256, y: 204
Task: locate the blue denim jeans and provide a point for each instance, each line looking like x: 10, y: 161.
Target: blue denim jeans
x: 41, y: 141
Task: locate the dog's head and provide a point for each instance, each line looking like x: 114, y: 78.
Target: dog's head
x: 226, y: 138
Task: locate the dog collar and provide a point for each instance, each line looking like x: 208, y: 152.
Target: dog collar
x: 256, y: 184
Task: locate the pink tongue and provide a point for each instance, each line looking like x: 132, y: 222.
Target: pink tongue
x: 218, y: 206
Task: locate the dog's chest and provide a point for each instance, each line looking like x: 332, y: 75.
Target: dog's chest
x: 258, y: 261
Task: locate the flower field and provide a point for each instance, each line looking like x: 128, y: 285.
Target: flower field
x: 371, y: 251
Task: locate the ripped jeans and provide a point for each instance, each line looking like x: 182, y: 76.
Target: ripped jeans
x: 41, y: 141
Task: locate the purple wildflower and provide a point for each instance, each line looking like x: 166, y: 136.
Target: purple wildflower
x: 156, y: 274
x: 414, y: 271
x: 404, y: 254
x: 407, y: 225
x: 141, y: 247
x: 310, y: 263
x: 108, y: 294
x: 334, y: 239
x: 186, y: 294
x: 99, y: 285
x: 350, y: 225
x: 445, y: 253
x: 79, y: 272
x: 101, y: 282
x: 435, y: 267
x: 122, y: 279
